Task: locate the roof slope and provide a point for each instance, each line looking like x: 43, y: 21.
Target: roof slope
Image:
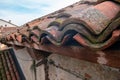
x: 87, y: 24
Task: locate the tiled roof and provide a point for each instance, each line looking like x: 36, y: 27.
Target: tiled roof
x: 7, y: 30
x: 87, y: 24
x: 9, y: 69
x: 4, y: 31
x: 93, y: 26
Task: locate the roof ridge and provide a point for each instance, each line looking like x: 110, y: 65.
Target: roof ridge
x: 8, y: 22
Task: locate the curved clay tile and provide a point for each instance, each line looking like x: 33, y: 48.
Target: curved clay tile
x: 93, y: 24
x: 115, y: 36
x: 95, y: 17
x: 19, y: 38
x: 56, y: 36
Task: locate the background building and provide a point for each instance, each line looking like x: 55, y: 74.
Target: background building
x: 4, y: 23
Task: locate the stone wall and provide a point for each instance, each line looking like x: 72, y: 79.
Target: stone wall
x: 26, y: 63
x: 65, y: 68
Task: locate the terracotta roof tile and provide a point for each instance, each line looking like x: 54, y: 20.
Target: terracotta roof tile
x: 94, y: 26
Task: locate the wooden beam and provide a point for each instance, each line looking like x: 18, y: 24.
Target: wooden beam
x: 107, y: 57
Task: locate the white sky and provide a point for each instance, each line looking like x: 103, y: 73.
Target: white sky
x: 22, y: 11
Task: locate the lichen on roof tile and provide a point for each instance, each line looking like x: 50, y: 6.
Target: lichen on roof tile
x: 90, y: 23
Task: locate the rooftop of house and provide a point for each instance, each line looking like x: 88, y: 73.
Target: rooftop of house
x: 84, y: 25
x: 9, y: 22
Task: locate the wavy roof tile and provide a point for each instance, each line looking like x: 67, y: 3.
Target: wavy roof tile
x: 93, y: 26
x: 90, y: 24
